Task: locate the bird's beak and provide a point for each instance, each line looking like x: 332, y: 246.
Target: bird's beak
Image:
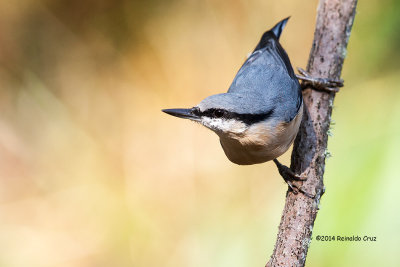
x: 184, y: 113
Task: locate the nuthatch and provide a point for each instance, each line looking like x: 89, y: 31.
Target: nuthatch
x: 259, y: 117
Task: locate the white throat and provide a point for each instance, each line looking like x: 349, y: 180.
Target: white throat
x: 225, y: 127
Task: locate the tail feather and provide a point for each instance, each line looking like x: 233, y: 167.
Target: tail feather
x: 278, y: 28
x: 274, y: 33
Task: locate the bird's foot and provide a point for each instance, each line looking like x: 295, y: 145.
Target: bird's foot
x: 289, y: 176
x: 321, y: 84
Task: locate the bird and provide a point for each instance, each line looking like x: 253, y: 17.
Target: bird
x: 259, y: 116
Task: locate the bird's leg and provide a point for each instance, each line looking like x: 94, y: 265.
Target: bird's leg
x: 287, y: 173
x: 321, y: 84
x: 289, y: 176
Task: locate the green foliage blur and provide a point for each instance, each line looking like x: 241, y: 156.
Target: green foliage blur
x: 93, y: 174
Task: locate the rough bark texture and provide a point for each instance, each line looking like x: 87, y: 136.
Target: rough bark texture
x: 333, y: 27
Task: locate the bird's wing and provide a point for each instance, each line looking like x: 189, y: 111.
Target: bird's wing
x: 269, y: 60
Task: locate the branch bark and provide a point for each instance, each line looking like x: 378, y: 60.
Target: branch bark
x: 332, y: 32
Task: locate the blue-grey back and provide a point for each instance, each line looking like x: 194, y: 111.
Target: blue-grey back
x: 268, y: 76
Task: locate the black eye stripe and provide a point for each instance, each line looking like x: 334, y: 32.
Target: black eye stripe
x: 246, y: 118
x: 253, y: 118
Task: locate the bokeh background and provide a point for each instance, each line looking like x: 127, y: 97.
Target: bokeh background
x: 92, y: 173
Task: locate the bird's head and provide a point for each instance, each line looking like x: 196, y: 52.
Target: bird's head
x: 228, y: 115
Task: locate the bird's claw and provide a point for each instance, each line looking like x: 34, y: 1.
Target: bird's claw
x: 289, y: 176
x: 295, y: 189
x: 321, y: 84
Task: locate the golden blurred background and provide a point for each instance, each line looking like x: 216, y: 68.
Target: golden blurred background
x: 92, y: 173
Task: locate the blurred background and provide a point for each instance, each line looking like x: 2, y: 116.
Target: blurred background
x: 92, y: 173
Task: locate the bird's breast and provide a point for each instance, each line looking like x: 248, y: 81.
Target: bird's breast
x: 262, y: 141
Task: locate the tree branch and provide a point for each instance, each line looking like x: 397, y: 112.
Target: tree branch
x: 332, y: 32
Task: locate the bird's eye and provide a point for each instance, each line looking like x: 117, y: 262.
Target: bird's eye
x: 219, y: 113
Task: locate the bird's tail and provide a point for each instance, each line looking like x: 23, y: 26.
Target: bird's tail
x: 275, y: 32
x: 278, y: 28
